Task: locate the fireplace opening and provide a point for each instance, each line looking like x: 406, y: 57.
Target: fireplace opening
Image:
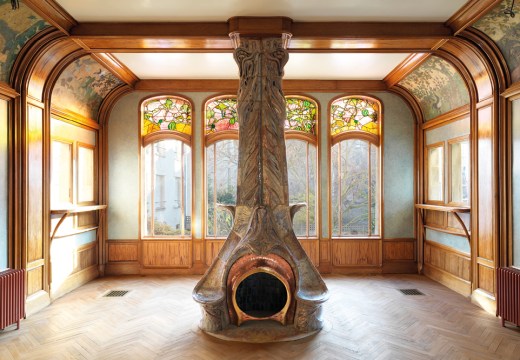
x: 261, y: 295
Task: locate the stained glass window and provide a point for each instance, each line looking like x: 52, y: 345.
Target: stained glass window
x: 221, y: 114
x: 301, y: 114
x: 167, y: 113
x: 354, y: 113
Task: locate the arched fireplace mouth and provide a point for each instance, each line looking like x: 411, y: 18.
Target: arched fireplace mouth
x: 261, y: 294
x: 261, y: 288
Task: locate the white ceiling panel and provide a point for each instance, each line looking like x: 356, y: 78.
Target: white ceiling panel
x: 313, y: 66
x: 299, y: 10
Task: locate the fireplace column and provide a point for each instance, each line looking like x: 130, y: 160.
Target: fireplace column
x: 261, y: 249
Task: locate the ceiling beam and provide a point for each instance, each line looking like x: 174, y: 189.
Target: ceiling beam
x: 53, y: 13
x: 231, y: 86
x: 469, y: 13
x: 214, y: 36
x: 117, y: 68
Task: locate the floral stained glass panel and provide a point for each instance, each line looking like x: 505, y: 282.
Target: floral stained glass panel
x: 301, y: 115
x: 221, y: 114
x: 168, y: 113
x: 359, y: 114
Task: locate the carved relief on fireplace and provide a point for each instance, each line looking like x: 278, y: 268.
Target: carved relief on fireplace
x: 261, y: 288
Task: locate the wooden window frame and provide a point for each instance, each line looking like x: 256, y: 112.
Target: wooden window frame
x: 153, y: 138
x: 372, y: 139
x: 442, y: 145
x: 457, y: 140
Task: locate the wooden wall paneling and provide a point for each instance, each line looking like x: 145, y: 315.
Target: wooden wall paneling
x: 487, y: 238
x: 85, y: 256
x: 399, y: 249
x: 448, y: 266
x: 122, y: 251
x: 199, y: 266
x: 356, y: 252
x: 435, y: 218
x: 35, y: 250
x: 312, y: 249
x: 325, y: 258
x: 399, y: 256
x: 167, y: 253
x: 486, y: 278
x: 212, y: 249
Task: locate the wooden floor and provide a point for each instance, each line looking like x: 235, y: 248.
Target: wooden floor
x: 366, y: 318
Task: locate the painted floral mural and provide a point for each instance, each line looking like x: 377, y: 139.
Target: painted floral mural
x: 16, y: 27
x: 504, y: 30
x: 437, y: 86
x: 82, y: 86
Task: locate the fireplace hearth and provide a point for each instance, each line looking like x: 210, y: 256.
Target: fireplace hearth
x: 262, y: 286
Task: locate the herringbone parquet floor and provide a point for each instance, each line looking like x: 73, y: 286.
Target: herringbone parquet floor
x: 367, y: 318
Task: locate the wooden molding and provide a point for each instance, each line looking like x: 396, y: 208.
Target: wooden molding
x: 452, y: 115
x: 404, y: 68
x: 260, y: 25
x: 231, y: 86
x: 53, y: 13
x: 109, y: 101
x: 116, y: 67
x: 306, y: 36
x: 512, y: 92
x: 8, y: 91
x: 469, y: 13
x: 70, y: 115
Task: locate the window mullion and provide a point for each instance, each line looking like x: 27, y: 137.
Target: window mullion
x: 215, y: 190
x: 369, y: 190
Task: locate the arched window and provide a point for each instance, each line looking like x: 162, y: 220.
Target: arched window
x: 302, y: 169
x: 221, y: 128
x: 355, y: 166
x: 166, y: 167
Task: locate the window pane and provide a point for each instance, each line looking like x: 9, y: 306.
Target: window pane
x: 301, y: 169
x: 460, y: 163
x: 335, y: 188
x: 313, y: 195
x: 297, y: 163
x: 221, y: 183
x: 166, y: 113
x: 148, y: 186
x: 435, y: 173
x: 374, y: 193
x: 61, y: 174
x: 210, y: 190
x: 226, y: 183
x: 85, y: 174
x: 354, y: 192
x: 168, y: 188
x: 187, y: 181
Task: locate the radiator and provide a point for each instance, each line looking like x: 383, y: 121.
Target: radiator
x: 12, y: 297
x: 508, y: 295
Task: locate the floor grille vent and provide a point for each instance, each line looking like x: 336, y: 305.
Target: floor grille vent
x: 411, y: 292
x: 116, y: 293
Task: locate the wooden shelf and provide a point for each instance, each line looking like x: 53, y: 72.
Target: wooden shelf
x: 77, y: 209
x: 64, y: 212
x: 452, y: 209
x: 455, y: 210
